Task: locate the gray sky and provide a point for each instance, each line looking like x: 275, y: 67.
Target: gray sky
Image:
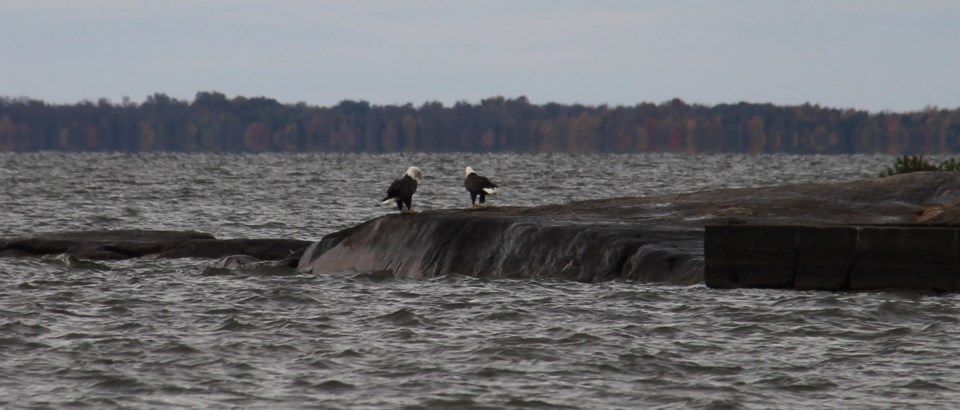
x: 866, y: 54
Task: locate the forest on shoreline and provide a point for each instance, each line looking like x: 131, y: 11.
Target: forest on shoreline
x: 212, y: 122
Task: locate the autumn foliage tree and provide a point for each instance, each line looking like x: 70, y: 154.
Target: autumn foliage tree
x: 212, y: 122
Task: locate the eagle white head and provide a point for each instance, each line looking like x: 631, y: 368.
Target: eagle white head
x: 415, y: 173
x: 468, y: 171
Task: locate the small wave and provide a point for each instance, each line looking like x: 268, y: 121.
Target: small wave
x: 702, y: 368
x: 93, y: 402
x: 451, y: 403
x: 269, y: 269
x: 267, y: 225
x: 324, y: 364
x: 521, y: 340
x: 457, y: 305
x: 793, y: 383
x: 49, y: 283
x: 334, y: 386
x: 66, y: 312
x: 280, y: 347
x: 709, y: 403
x: 404, y: 317
x: 211, y: 271
x: 118, y: 310
x: 665, y: 330
x: 177, y: 347
x: 749, y: 329
x: 234, y: 325
x: 18, y: 327
x: 525, y: 353
x: 126, y: 326
x: 103, y: 220
x: 457, y: 278
x: 375, y: 276
x: 919, y: 384
x: 893, y: 311
x: 878, y: 334
x: 495, y: 372
x: 180, y: 390
x: 348, y: 353
x: 118, y: 382
x: 535, y: 404
x: 293, y: 296
x: 14, y: 343
x: 73, y: 262
x: 27, y: 286
x: 642, y: 295
x: 404, y: 294
x: 607, y: 368
x: 506, y: 316
x: 224, y: 311
x: 401, y: 334
x: 933, y: 328
x: 580, y: 338
x: 293, y: 326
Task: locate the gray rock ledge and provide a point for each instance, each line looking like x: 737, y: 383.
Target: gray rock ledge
x: 125, y: 244
x: 650, y: 239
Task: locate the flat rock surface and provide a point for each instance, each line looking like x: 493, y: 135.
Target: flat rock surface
x: 654, y: 239
x: 123, y: 244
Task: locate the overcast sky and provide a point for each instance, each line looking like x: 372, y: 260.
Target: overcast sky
x: 866, y: 54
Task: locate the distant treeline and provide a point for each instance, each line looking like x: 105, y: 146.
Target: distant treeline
x: 214, y: 123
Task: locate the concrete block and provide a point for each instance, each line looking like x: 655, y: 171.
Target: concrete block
x: 906, y: 258
x: 750, y: 256
x: 825, y: 257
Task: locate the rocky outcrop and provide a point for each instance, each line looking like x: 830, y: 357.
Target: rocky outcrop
x: 493, y: 243
x: 653, y: 239
x: 124, y: 244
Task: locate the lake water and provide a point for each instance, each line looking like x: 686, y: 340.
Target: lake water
x: 148, y: 333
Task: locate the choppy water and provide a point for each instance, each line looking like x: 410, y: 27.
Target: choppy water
x: 151, y: 333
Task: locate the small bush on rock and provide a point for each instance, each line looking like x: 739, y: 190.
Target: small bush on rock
x: 916, y: 163
x: 950, y: 165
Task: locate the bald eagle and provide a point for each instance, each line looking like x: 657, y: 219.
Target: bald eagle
x: 401, y: 191
x: 478, y: 185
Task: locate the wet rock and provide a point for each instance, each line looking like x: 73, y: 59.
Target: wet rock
x: 124, y: 244
x: 651, y: 239
x: 459, y: 242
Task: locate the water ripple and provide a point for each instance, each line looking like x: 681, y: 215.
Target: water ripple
x: 155, y: 333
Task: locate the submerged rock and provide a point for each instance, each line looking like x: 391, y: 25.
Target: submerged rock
x: 651, y: 239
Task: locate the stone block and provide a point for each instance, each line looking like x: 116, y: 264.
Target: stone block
x: 921, y: 258
x: 750, y: 256
x: 825, y: 257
